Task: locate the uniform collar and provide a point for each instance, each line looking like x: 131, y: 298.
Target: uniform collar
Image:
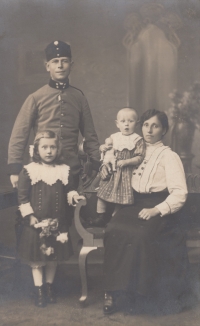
x: 59, y: 85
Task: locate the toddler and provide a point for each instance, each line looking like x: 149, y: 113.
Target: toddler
x: 128, y: 149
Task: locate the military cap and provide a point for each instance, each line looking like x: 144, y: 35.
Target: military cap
x: 57, y: 49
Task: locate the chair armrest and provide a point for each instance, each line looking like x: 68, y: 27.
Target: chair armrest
x: 88, y: 238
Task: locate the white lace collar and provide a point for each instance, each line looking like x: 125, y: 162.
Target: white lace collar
x: 47, y: 173
x: 121, y: 141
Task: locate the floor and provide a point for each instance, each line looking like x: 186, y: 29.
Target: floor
x: 17, y: 304
x: 17, y: 300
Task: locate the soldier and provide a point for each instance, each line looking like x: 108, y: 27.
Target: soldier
x: 57, y: 106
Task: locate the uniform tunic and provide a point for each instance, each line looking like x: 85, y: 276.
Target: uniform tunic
x: 118, y: 188
x: 150, y: 256
x: 42, y: 192
x: 62, y: 109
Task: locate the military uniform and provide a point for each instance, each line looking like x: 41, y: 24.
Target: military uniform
x: 61, y: 108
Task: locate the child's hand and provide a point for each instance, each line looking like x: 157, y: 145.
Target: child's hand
x: 77, y: 198
x: 121, y: 163
x: 147, y: 213
x: 42, y: 224
x: 33, y: 220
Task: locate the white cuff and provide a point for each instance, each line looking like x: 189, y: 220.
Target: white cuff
x: 163, y: 208
x: 26, y: 209
x: 70, y: 196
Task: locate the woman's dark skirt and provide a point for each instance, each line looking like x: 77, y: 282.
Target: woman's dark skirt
x: 146, y: 256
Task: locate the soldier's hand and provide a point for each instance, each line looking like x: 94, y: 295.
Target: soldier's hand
x: 106, y: 172
x: 14, y: 180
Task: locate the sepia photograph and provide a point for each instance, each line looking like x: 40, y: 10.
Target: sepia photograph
x: 100, y: 162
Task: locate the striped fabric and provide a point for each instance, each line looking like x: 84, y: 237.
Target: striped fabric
x: 118, y: 188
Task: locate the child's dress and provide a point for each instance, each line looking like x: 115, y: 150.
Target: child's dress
x: 118, y: 188
x: 42, y: 192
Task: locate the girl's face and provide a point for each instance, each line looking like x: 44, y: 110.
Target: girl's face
x: 153, y: 130
x: 47, y: 149
x: 126, y: 122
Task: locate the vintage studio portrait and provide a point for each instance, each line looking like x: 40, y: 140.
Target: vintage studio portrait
x: 100, y: 162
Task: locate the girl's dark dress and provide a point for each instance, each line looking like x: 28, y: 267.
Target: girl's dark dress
x: 43, y: 192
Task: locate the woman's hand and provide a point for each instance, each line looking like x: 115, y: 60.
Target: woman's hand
x: 121, y: 163
x: 104, y: 148
x: 147, y: 213
x: 33, y: 220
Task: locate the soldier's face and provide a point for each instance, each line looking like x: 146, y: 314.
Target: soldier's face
x: 59, y: 68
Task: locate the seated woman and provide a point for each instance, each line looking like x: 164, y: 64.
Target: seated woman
x: 145, y: 248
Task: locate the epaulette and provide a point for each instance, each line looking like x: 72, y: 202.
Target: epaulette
x: 77, y: 89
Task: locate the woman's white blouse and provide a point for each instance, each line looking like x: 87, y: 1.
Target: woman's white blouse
x: 162, y: 170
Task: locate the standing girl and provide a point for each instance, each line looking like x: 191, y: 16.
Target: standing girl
x: 129, y: 152
x: 45, y: 193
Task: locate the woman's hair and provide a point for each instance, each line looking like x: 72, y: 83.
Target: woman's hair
x: 47, y: 134
x: 162, y: 117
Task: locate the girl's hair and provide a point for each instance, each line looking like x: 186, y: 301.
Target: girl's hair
x: 47, y: 134
x: 162, y: 117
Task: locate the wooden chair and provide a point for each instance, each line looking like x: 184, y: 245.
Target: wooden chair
x: 92, y: 240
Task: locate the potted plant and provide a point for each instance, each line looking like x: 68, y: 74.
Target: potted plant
x: 184, y: 119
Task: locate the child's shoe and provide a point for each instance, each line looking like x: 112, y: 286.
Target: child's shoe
x: 99, y: 221
x: 40, y: 297
x: 50, y: 295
